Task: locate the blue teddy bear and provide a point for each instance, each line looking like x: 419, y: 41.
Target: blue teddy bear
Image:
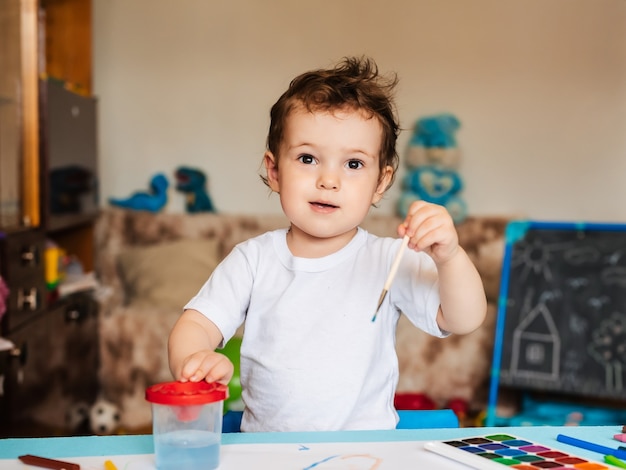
x: 432, y: 159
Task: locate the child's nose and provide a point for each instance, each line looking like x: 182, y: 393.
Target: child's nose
x: 328, y: 180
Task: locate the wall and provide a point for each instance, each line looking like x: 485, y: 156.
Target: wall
x: 539, y: 85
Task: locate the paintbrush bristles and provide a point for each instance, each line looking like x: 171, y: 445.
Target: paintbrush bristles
x: 380, y: 302
x: 392, y: 273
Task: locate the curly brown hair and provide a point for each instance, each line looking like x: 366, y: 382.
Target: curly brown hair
x: 354, y: 83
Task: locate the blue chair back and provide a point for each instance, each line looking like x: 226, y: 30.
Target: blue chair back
x: 427, y: 419
x: 409, y: 419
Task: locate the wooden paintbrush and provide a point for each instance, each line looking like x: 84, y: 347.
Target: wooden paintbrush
x: 392, y: 274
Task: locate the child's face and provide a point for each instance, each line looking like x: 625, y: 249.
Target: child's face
x: 327, y: 173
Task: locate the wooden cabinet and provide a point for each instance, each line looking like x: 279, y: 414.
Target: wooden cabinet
x: 50, y: 374
x: 53, y: 364
x: 65, y: 58
x: 44, y: 45
x: 19, y: 133
x: 40, y: 40
x: 22, y: 268
x: 68, y: 42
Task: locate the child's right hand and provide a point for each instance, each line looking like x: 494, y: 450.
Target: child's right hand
x: 206, y: 365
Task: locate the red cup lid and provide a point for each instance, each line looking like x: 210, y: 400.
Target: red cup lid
x: 186, y: 393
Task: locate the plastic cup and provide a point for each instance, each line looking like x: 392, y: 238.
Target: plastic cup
x: 187, y: 424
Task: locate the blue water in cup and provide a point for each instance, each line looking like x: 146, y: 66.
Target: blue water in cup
x: 187, y: 450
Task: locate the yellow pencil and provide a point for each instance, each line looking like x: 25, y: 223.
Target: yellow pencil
x: 108, y: 465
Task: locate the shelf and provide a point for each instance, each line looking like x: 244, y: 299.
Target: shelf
x: 60, y: 223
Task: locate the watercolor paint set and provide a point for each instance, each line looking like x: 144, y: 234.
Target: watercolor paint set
x: 500, y: 451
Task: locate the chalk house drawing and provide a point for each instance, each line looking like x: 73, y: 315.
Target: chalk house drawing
x: 608, y: 347
x: 536, y: 348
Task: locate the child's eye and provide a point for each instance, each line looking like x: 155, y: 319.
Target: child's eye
x: 355, y: 164
x: 307, y: 159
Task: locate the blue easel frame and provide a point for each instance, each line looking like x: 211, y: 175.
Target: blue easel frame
x: 515, y: 231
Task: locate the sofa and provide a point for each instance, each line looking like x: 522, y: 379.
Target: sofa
x: 150, y: 264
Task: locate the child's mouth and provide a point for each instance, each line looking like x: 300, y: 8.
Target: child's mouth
x: 324, y: 205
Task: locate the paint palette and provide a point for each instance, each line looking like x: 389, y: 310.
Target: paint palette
x: 498, y: 451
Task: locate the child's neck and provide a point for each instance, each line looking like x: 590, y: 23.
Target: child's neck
x: 305, y: 245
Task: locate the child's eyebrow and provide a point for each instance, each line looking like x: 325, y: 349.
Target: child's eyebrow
x: 306, y: 147
x: 361, y: 152
x: 364, y: 152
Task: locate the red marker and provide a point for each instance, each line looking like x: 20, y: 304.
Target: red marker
x: 620, y: 437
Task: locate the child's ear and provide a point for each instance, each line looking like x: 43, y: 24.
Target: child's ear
x: 383, y: 183
x: 271, y: 168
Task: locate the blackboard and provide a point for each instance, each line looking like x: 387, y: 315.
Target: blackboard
x: 561, y: 323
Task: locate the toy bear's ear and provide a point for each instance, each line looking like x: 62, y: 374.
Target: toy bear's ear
x: 449, y: 123
x: 417, y: 138
x: 427, y: 125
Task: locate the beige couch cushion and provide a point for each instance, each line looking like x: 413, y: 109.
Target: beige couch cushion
x: 168, y: 274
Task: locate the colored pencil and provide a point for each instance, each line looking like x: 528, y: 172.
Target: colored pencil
x: 48, y: 463
x: 614, y: 461
x: 591, y: 446
x: 108, y: 465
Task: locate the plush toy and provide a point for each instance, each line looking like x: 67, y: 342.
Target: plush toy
x: 432, y: 160
x: 77, y: 418
x: 104, y: 417
x: 153, y: 200
x: 193, y: 183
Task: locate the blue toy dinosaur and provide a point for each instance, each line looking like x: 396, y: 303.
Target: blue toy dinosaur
x: 192, y: 182
x: 152, y: 201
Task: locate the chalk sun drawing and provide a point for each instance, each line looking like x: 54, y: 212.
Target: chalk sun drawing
x: 535, y: 257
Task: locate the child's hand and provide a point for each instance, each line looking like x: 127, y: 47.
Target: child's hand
x: 431, y: 230
x: 206, y: 365
x: 463, y: 305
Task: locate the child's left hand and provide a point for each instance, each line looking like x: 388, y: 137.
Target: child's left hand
x: 463, y: 305
x: 431, y: 230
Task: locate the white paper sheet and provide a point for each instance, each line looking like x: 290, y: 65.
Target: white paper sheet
x: 318, y: 456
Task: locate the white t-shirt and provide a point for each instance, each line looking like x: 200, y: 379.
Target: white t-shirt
x: 311, y: 357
